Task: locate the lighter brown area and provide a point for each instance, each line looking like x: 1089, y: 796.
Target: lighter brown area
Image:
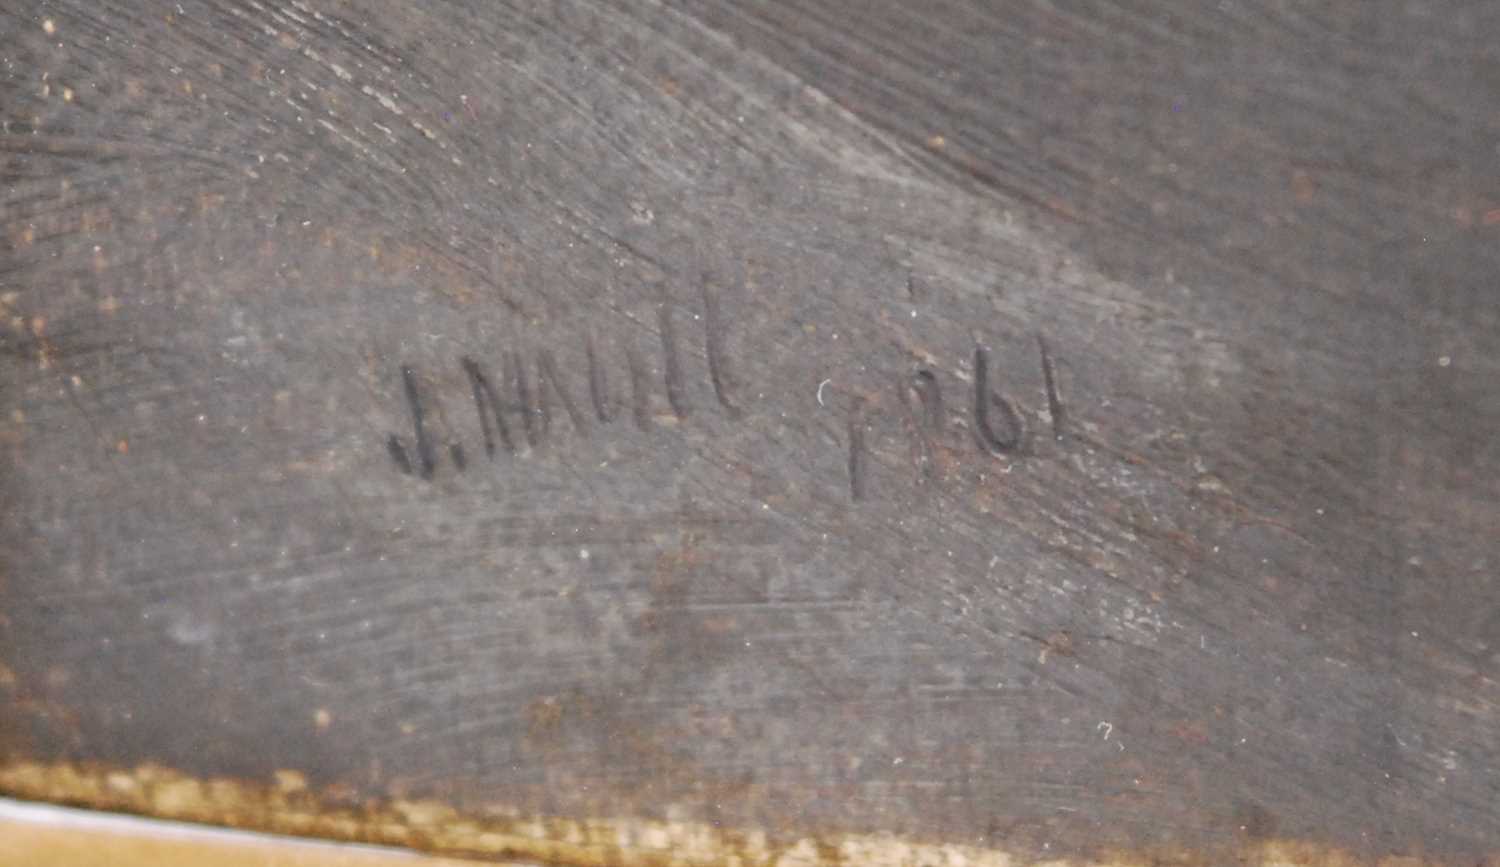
x: 285, y: 805
x: 84, y: 840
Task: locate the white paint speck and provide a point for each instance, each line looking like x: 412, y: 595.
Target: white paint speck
x: 1445, y: 361
x: 385, y: 101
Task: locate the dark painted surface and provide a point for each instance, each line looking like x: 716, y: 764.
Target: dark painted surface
x: 642, y: 410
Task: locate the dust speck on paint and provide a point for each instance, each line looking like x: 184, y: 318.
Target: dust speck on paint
x: 322, y: 718
x: 49, y: 27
